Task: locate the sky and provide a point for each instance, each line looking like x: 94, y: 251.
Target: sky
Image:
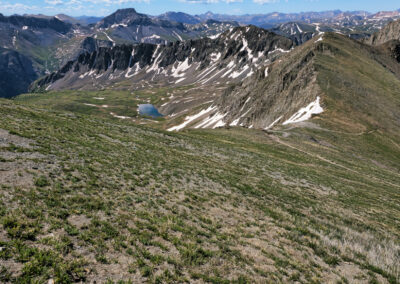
x: 156, y: 7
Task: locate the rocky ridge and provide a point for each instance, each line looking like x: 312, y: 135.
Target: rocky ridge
x: 298, y: 86
x: 234, y: 55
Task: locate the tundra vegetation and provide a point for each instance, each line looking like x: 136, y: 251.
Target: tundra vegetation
x: 87, y: 197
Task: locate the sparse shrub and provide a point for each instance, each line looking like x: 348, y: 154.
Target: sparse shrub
x: 20, y: 229
x: 5, y: 275
x: 42, y: 181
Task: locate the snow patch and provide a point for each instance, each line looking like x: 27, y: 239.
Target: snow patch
x: 266, y: 72
x: 180, y: 38
x: 306, y: 112
x: 136, y: 68
x: 215, y: 57
x: 213, y: 121
x: 215, y: 36
x: 236, y: 74
x: 235, y: 122
x: 180, y: 80
x: 117, y: 25
x: 279, y: 50
x: 119, y: 116
x: 300, y: 30
x: 191, y: 118
x: 273, y: 123
x: 109, y: 38
x: 182, y: 67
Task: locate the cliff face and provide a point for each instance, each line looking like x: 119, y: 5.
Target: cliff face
x: 234, y: 55
x: 388, y: 33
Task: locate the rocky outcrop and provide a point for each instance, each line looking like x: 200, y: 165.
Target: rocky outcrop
x: 91, y: 44
x: 392, y: 48
x: 388, y: 33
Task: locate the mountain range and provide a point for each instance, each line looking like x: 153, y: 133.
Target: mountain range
x: 50, y: 42
x: 145, y: 149
x: 272, y: 79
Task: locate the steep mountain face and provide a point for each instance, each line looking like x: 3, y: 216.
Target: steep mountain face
x: 16, y: 73
x: 330, y: 75
x: 234, y: 55
x: 388, y: 33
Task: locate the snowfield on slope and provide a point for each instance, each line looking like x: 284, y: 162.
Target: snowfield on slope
x: 306, y: 112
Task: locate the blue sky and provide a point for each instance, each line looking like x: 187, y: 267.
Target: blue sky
x: 155, y: 7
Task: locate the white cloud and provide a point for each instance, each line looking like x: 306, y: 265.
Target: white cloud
x: 54, y: 2
x: 210, y: 1
x: 266, y: 1
x: 113, y: 2
x: 15, y: 7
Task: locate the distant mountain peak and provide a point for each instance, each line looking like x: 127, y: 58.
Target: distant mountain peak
x: 123, y: 16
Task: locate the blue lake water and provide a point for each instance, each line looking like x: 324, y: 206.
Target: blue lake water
x: 149, y: 110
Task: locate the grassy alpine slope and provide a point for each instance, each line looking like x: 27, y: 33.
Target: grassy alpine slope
x: 97, y: 199
x: 86, y: 197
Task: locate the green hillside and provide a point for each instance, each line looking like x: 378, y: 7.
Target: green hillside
x: 95, y: 199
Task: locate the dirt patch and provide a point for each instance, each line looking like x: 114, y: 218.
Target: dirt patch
x: 6, y: 139
x: 79, y: 221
